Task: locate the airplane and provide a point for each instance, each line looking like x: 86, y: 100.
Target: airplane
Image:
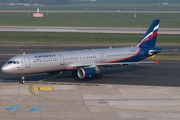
x: 85, y: 63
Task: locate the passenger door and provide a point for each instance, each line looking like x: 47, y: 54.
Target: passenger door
x: 102, y: 57
x: 62, y: 62
x: 27, y: 62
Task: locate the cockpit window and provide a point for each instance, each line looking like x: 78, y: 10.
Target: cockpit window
x: 13, y: 62
x: 9, y: 62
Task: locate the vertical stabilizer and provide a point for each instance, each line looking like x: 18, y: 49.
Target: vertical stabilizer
x: 149, y: 39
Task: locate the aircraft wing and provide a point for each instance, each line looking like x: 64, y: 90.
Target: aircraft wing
x: 111, y: 64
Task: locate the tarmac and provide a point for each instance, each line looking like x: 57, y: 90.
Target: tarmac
x: 87, y: 29
x: 140, y: 92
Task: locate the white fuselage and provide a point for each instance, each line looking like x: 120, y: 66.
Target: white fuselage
x: 57, y: 61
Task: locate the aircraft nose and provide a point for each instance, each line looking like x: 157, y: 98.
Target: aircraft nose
x: 5, y: 69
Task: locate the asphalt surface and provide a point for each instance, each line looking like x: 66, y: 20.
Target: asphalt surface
x: 164, y: 74
x: 139, y: 92
x: 86, y: 29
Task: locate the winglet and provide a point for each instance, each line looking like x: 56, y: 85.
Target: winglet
x: 156, y: 61
x: 54, y: 51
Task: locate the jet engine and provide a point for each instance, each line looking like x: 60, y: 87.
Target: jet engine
x: 86, y: 72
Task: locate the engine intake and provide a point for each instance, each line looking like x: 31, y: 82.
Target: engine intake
x: 86, y: 72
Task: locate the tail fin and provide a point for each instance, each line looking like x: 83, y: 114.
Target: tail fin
x: 149, y: 39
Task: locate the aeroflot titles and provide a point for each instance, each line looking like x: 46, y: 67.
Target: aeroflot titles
x: 45, y: 56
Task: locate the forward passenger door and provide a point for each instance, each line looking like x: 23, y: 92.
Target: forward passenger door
x: 27, y: 62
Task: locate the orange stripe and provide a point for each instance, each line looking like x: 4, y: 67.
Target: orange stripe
x: 123, y: 58
x: 71, y: 68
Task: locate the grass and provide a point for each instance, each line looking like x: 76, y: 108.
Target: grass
x: 9, y: 54
x: 78, y: 39
x: 91, y: 20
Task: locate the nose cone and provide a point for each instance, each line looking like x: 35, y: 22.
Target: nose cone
x: 5, y: 69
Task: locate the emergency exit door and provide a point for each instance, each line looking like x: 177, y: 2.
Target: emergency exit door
x: 62, y: 62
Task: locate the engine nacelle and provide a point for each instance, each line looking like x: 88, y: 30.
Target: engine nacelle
x: 86, y: 72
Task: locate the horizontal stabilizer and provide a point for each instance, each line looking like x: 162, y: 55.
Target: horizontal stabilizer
x: 156, y: 62
x: 156, y: 51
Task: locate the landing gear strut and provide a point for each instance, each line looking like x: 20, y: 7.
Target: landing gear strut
x: 98, y: 74
x: 22, y: 79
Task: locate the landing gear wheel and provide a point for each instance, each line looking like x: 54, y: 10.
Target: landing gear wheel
x: 98, y: 76
x: 22, y: 79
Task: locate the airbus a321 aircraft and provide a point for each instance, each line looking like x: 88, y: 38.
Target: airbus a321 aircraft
x: 85, y: 63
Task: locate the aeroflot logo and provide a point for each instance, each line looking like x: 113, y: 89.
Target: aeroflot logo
x: 152, y: 34
x: 45, y: 56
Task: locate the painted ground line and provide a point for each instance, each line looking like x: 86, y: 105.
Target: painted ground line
x: 14, y: 112
x: 13, y: 107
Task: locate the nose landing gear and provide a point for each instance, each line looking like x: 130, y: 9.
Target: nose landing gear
x: 22, y: 79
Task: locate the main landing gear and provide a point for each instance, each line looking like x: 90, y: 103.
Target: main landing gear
x: 22, y: 79
x: 98, y: 74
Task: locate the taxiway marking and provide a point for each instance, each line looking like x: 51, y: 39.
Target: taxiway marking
x: 42, y: 88
x: 14, y: 111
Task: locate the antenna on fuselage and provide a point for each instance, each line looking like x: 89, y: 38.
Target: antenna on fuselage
x: 24, y: 53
